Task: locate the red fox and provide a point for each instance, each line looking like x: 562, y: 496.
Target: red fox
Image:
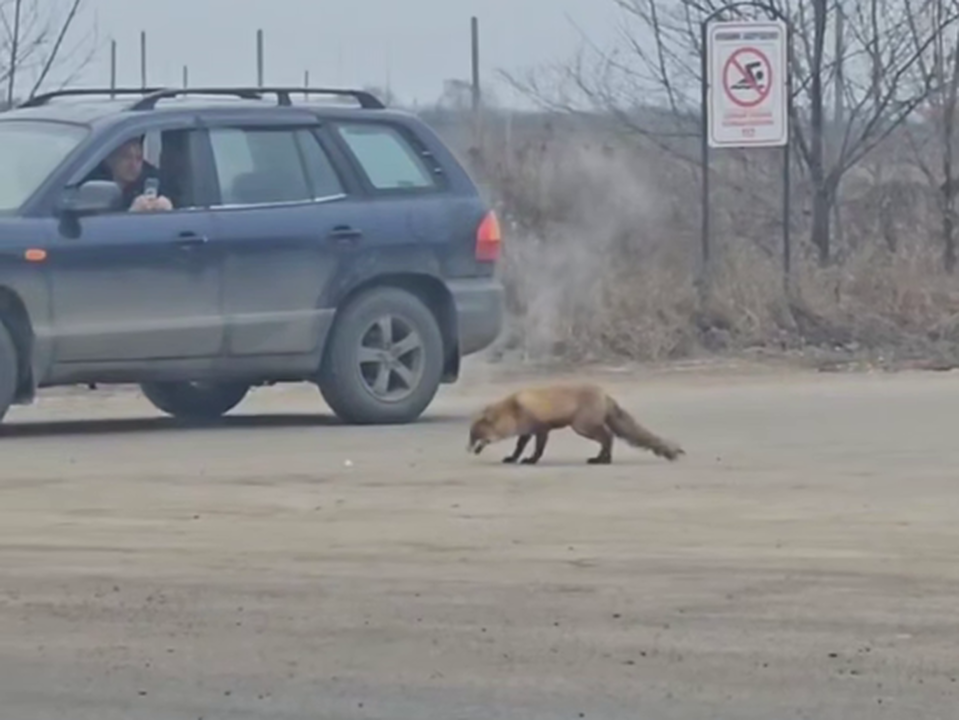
x: 586, y: 408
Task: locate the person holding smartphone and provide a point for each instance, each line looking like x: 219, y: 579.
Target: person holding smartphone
x: 151, y: 199
x: 139, y: 181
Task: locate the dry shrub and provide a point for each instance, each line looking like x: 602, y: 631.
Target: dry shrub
x: 885, y: 299
x: 602, y: 255
x: 746, y: 299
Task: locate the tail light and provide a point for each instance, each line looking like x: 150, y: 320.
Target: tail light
x: 489, y: 239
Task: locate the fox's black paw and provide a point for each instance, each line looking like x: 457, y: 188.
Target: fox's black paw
x: 529, y: 461
x: 510, y: 459
x: 599, y: 460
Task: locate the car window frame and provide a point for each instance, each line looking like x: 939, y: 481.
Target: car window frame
x: 440, y: 184
x: 108, y: 141
x: 309, y: 124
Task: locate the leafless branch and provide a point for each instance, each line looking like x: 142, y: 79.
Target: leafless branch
x: 933, y: 138
x: 35, y: 43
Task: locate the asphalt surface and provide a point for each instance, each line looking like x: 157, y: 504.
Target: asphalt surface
x: 799, y: 562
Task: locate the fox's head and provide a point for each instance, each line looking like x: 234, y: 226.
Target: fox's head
x: 488, y: 427
x: 480, y: 435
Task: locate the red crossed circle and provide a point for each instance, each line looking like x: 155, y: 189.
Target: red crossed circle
x: 736, y: 66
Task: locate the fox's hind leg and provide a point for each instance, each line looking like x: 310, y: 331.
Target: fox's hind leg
x: 538, y: 449
x: 602, y: 435
x: 518, y: 450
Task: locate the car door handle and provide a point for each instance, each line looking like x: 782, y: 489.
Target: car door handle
x: 190, y: 240
x: 344, y: 235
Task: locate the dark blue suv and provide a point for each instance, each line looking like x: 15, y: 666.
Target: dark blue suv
x: 339, y: 243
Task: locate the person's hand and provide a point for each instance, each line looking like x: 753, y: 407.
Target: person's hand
x: 145, y: 203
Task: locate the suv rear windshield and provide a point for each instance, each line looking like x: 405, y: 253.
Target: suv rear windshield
x: 30, y: 152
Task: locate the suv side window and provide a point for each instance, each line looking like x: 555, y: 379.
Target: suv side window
x: 386, y: 157
x: 259, y: 165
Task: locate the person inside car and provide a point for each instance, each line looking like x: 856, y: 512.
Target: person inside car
x: 127, y: 167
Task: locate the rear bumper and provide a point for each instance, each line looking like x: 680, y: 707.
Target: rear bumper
x: 480, y: 311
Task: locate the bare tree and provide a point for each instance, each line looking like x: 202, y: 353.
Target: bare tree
x: 651, y: 84
x: 934, y: 138
x: 14, y: 48
x: 37, y: 40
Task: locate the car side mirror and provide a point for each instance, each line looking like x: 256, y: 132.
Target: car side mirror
x: 90, y: 198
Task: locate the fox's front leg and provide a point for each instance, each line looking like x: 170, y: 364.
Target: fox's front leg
x: 518, y: 450
x: 537, y: 449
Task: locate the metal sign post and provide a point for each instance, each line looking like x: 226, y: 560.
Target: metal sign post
x: 745, y: 100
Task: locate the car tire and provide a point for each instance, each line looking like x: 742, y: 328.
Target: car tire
x: 384, y: 359
x: 8, y: 370
x: 195, y: 401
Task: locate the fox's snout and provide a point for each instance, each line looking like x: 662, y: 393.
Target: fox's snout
x: 477, y: 441
x: 475, y: 445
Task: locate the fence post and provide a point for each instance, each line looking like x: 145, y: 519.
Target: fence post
x: 475, y: 98
x: 143, y: 59
x: 113, y: 67
x: 260, y: 58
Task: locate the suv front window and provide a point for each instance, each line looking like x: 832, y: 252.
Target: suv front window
x: 30, y: 152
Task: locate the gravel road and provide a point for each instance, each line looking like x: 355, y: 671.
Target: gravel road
x: 800, y: 561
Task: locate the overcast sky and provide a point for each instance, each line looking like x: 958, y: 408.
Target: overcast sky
x: 415, y: 44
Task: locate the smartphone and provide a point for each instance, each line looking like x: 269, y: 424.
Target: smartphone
x: 151, y: 188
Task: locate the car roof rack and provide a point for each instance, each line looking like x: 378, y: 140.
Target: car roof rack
x: 150, y: 96
x: 44, y: 98
x: 284, y: 95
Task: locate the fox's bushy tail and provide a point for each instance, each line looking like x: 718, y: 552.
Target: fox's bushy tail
x: 624, y: 426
